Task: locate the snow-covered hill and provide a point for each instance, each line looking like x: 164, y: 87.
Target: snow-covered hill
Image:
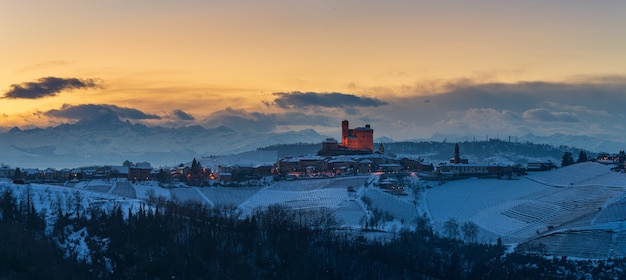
x: 563, y: 211
x: 558, y: 208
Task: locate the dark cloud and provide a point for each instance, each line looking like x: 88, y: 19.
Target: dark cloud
x: 297, y: 99
x: 469, y: 108
x: 96, y: 111
x: 242, y: 120
x: 524, y: 96
x: 48, y: 86
x: 182, y: 115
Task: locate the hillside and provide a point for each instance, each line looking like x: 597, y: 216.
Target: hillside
x: 476, y: 151
x: 575, y: 211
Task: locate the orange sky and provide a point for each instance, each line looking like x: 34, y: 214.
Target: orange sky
x: 202, y: 57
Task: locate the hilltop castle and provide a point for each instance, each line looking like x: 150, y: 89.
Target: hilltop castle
x: 359, y: 140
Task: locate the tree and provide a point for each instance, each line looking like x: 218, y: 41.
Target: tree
x: 367, y: 201
x: 194, y: 166
x: 470, y: 231
x: 567, y: 159
x: 582, y: 157
x: 451, y: 228
x: 127, y: 163
x: 17, y: 174
x: 162, y: 176
x: 8, y: 205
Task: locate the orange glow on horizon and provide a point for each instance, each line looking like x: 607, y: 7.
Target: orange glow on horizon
x: 204, y: 57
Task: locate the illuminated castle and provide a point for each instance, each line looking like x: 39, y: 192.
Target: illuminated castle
x: 359, y: 140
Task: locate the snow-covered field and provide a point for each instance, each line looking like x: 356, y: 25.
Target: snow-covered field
x: 577, y: 210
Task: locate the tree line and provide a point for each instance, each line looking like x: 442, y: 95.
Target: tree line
x: 187, y: 240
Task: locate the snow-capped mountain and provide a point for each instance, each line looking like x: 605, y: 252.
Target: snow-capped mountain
x: 111, y: 141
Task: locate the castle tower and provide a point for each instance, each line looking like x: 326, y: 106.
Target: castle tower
x: 345, y: 132
x: 457, y: 154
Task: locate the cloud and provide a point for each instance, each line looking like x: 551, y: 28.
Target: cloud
x: 478, y: 121
x: 578, y: 108
x: 47, y: 87
x: 182, y: 115
x: 543, y: 115
x: 467, y: 108
x: 45, y: 65
x: 97, y: 111
x: 242, y: 120
x: 297, y: 99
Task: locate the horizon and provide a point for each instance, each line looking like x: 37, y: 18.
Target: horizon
x: 238, y: 158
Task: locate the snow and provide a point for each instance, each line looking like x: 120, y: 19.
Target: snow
x: 397, y: 206
x: 187, y: 194
x: 349, y: 214
x: 75, y: 244
x: 577, y: 210
x: 573, y: 175
x: 569, y: 209
x: 228, y: 195
x: 143, y: 189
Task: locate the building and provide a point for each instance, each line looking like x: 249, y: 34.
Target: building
x: 6, y: 171
x: 461, y: 168
x: 467, y: 170
x: 457, y: 156
x: 141, y: 171
x: 540, y: 165
x: 357, y: 141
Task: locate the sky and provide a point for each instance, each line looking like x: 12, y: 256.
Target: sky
x: 411, y: 69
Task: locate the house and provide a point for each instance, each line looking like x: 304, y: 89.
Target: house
x: 540, y: 165
x: 481, y: 170
x: 390, y: 167
x: 118, y: 171
x: 611, y: 158
x: 141, y: 171
x: 6, y: 171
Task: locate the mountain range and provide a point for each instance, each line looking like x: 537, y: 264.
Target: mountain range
x: 111, y: 141
x: 108, y: 140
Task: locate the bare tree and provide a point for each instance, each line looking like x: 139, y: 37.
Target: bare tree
x: 470, y: 231
x: 451, y: 228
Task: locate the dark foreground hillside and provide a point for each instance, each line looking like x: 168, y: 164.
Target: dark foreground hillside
x: 168, y: 240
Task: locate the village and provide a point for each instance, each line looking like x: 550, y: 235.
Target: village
x: 355, y: 155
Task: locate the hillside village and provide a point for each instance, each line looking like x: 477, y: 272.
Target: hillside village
x: 547, y: 206
x: 355, y: 155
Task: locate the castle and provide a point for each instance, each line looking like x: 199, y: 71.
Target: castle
x: 359, y: 140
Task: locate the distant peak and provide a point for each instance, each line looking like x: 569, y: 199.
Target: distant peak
x: 105, y: 119
x: 15, y: 129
